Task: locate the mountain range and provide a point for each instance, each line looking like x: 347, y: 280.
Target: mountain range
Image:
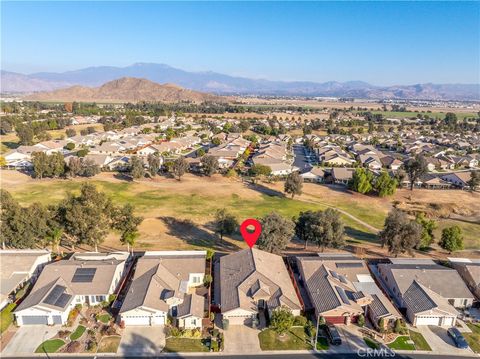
x: 222, y: 84
x: 126, y: 89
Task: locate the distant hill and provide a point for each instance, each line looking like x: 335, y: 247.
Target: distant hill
x: 214, y: 82
x: 126, y: 89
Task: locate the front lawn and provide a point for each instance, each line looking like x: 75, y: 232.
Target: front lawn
x: 104, y: 318
x: 175, y: 345
x: 50, y: 346
x: 294, y: 339
x: 6, y: 317
x: 109, y: 344
x: 401, y: 344
x: 322, y: 343
x: 419, y: 340
x: 473, y: 338
x: 371, y: 343
x: 77, y: 333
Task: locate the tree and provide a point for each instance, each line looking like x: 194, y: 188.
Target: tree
x: 415, y: 168
x: 54, y: 236
x: 474, y: 181
x: 87, y: 217
x: 136, y: 168
x: 281, y: 320
x: 22, y: 227
x: 328, y: 230
x: 385, y: 185
x: 225, y: 222
x: 361, y: 181
x: 452, y: 239
x: 89, y: 168
x: 201, y: 152
x: 361, y: 320
x: 70, y: 132
x: 127, y: 223
x: 216, y: 141
x: 209, y: 164
x: 293, y: 184
x: 277, y: 232
x: 179, y: 168
x: 303, y: 226
x: 25, y: 134
x: 40, y: 164
x: 400, y: 234
x: 70, y: 146
x: 3, y: 161
x: 153, y: 164
x: 258, y: 170
x: 428, y: 226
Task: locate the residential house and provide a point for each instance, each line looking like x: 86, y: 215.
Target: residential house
x: 250, y: 282
x: 469, y: 270
x: 341, y: 288
x: 458, y: 179
x: 17, y: 267
x: 429, y: 292
x: 342, y: 175
x: 85, y: 278
x: 315, y: 174
x: 167, y: 283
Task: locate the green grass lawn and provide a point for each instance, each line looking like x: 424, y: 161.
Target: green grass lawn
x: 109, y: 344
x: 77, y: 333
x: 50, y: 346
x: 322, y: 343
x: 175, y: 345
x: 470, y: 231
x: 401, y: 344
x: 6, y: 317
x: 104, y: 318
x: 473, y: 338
x: 194, y: 206
x: 295, y: 339
x: 419, y: 340
x: 371, y: 343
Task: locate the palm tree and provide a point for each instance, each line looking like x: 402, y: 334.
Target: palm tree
x: 54, y: 238
x: 129, y: 238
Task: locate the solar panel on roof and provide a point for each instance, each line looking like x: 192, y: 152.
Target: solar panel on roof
x: 63, y: 300
x: 343, y: 279
x: 342, y: 295
x: 349, y: 265
x: 84, y: 275
x: 54, y: 295
x: 334, y: 274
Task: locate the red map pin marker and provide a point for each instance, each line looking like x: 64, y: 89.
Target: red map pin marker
x: 250, y: 237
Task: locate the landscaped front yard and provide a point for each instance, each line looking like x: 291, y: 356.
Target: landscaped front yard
x: 6, y: 317
x: 175, y: 345
x: 473, y: 338
x: 402, y: 342
x: 294, y: 339
x: 50, y: 346
x: 77, y: 333
x: 109, y: 344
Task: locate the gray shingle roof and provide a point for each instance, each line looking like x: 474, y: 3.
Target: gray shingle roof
x: 417, y: 299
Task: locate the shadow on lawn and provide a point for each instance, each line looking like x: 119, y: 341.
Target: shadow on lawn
x: 193, y: 234
x: 361, y: 235
x: 265, y: 190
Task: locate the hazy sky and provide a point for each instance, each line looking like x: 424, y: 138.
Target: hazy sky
x: 379, y: 42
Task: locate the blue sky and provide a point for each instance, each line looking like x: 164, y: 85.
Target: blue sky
x: 379, y: 42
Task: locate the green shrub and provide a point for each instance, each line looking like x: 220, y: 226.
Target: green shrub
x: 207, y: 280
x: 225, y: 324
x: 214, y: 345
x: 361, y: 320
x: 299, y: 321
x: 174, y: 332
x: 215, y: 332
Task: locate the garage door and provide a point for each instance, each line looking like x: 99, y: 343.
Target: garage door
x: 136, y: 320
x: 428, y: 321
x: 57, y: 319
x: 239, y: 320
x: 335, y: 320
x: 34, y: 319
x: 448, y: 321
x: 158, y: 320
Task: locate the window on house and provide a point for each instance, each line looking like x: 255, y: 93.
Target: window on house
x: 194, y: 322
x: 196, y: 279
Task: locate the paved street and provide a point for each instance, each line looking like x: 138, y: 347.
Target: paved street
x: 300, y: 160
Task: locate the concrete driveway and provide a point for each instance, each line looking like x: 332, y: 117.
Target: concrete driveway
x: 240, y: 339
x: 27, y: 339
x: 440, y: 341
x: 140, y: 340
x: 352, y: 340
